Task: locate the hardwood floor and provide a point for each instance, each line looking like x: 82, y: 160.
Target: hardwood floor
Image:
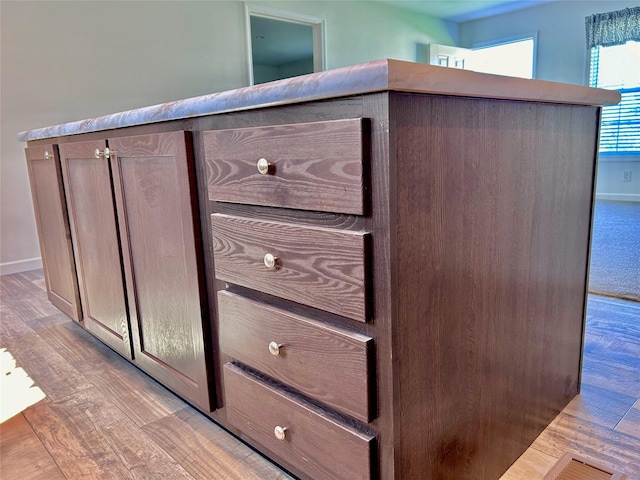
x: 603, y: 422
x: 104, y: 419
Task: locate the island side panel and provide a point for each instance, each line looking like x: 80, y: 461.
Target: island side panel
x: 493, y: 210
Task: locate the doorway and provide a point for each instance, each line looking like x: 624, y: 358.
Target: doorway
x: 282, y: 44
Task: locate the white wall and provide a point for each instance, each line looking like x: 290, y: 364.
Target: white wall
x: 562, y: 54
x: 69, y: 60
x: 611, y: 184
x: 562, y: 57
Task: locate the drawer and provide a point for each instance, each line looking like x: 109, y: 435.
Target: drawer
x: 320, y: 267
x: 316, y: 444
x: 328, y: 364
x: 312, y: 166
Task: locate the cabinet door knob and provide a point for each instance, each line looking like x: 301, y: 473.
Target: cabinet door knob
x: 106, y: 153
x: 274, y: 348
x: 263, y: 166
x: 47, y: 155
x: 280, y: 432
x: 271, y: 261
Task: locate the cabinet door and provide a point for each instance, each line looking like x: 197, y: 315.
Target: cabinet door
x: 53, y: 229
x: 94, y: 231
x: 157, y: 206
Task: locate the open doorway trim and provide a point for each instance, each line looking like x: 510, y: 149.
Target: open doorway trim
x: 316, y: 24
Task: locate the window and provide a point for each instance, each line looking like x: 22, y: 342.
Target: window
x: 617, y: 67
x: 514, y: 57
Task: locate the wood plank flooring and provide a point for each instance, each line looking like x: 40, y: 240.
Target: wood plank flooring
x: 104, y: 419
x: 602, y: 423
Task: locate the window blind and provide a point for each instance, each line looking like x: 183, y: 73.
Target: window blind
x: 620, y: 128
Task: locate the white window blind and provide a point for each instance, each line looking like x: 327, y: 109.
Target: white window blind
x: 618, y: 67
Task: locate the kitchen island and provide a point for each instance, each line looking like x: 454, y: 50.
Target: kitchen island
x: 378, y: 271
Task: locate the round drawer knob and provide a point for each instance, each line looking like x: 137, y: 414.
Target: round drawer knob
x: 97, y: 153
x: 280, y: 432
x: 274, y: 348
x: 109, y: 153
x: 47, y: 155
x: 271, y: 261
x: 263, y: 166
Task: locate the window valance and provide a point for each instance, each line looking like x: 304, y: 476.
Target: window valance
x: 613, y: 28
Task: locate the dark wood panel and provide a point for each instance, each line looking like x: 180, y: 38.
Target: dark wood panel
x: 320, y: 267
x: 313, y: 166
x: 342, y: 108
x: 94, y: 228
x: 328, y: 364
x: 493, y: 204
x: 382, y: 225
x: 314, y: 443
x: 155, y: 196
x: 52, y: 221
x: 302, y: 217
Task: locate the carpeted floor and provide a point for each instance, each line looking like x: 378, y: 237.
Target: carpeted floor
x: 615, y: 250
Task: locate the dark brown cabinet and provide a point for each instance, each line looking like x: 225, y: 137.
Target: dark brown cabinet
x: 465, y: 274
x: 53, y: 229
x: 325, y: 268
x: 395, y: 259
x: 94, y: 230
x: 157, y: 213
x: 132, y: 211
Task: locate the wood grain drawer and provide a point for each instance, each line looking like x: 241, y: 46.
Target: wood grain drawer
x: 313, y: 166
x: 321, y: 267
x: 328, y: 364
x: 320, y: 446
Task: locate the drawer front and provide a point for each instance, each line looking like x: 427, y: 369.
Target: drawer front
x: 328, y: 364
x: 312, y: 166
x: 320, y: 267
x: 319, y: 446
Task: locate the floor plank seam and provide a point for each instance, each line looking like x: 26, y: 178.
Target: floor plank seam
x: 600, y: 425
x: 44, y: 445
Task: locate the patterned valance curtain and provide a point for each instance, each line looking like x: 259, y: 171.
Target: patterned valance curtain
x: 613, y: 28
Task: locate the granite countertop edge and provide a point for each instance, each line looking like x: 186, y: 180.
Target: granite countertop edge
x: 368, y: 77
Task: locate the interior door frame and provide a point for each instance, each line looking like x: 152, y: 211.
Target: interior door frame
x: 317, y: 27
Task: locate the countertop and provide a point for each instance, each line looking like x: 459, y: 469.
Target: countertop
x: 376, y: 76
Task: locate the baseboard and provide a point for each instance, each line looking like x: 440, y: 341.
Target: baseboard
x: 619, y: 197
x: 18, y: 266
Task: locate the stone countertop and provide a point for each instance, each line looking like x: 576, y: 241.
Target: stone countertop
x: 376, y: 76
